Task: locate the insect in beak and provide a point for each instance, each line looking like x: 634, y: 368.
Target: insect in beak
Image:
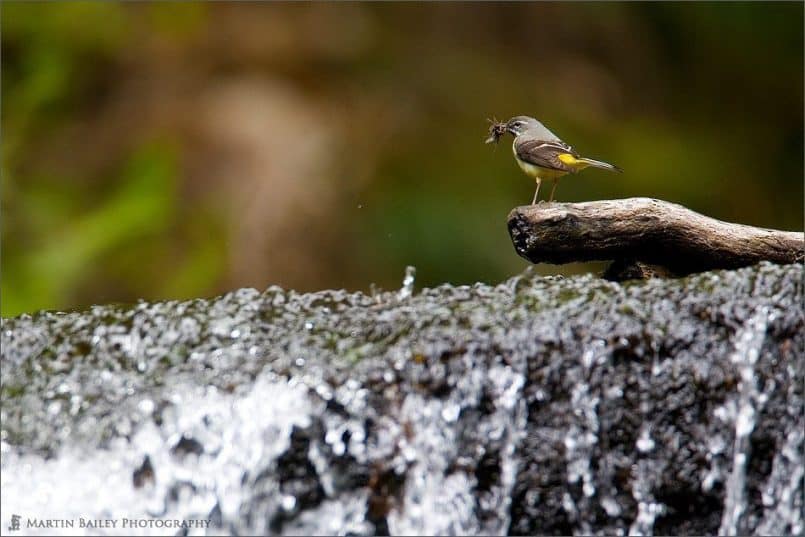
x: 496, y: 130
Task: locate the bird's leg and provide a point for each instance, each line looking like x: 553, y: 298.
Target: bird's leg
x: 555, y: 182
x: 534, y: 201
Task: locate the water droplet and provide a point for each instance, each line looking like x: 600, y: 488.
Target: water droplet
x: 407, y: 288
x: 645, y: 443
x: 450, y: 413
x: 745, y: 422
x: 288, y: 502
x: 611, y: 506
x: 324, y: 392
x: 716, y: 445
x: 409, y: 453
x: 146, y: 406
x: 710, y: 480
x: 54, y: 408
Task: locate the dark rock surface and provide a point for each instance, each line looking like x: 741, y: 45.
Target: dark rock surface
x: 537, y: 406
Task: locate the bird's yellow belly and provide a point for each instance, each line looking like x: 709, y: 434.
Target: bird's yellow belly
x: 536, y: 172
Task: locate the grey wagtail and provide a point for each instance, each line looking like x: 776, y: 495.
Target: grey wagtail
x: 540, y: 153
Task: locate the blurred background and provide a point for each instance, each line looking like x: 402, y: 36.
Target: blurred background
x: 177, y: 150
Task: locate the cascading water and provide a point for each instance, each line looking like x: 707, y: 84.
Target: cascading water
x: 541, y: 405
x: 748, y: 344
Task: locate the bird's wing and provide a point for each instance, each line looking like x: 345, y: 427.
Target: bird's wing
x: 545, y: 154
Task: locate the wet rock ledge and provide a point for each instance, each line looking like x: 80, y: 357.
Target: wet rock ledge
x: 536, y: 406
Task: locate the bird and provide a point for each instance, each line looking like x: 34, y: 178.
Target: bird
x: 540, y: 153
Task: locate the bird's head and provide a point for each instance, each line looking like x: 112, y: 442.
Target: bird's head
x: 520, y: 124
x: 517, y: 126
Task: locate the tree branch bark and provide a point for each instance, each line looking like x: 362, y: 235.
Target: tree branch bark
x: 645, y: 230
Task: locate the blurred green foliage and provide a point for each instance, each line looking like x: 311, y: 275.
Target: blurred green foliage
x: 701, y: 104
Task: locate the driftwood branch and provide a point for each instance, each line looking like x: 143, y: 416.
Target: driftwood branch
x: 644, y: 230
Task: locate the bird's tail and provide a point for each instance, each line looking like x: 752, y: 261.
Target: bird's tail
x: 600, y: 164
